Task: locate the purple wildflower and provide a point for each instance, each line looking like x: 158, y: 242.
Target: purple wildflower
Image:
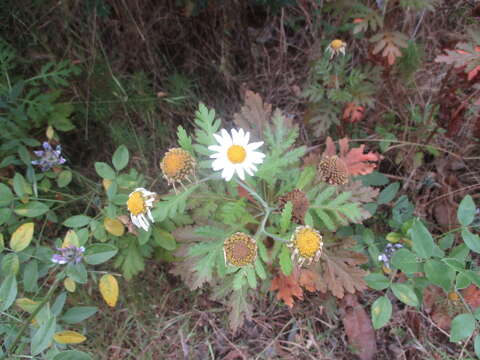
x: 387, y: 254
x: 70, y: 254
x: 49, y: 157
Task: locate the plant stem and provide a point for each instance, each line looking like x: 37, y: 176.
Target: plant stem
x: 32, y: 316
x: 254, y: 194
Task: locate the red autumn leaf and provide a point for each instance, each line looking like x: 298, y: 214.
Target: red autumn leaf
x: 288, y: 287
x: 466, y: 56
x: 358, y: 328
x: 244, y: 194
x: 472, y: 296
x: 358, y: 20
x: 356, y: 162
x: 353, y: 113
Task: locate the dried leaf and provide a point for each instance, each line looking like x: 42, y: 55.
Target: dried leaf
x: 465, y: 56
x: 254, y: 114
x: 288, y: 287
x: 307, y: 279
x: 353, y: 113
x: 356, y: 162
x: 113, y: 226
x: 240, y: 309
x: 68, y: 337
x: 472, y: 296
x: 389, y: 43
x: 358, y: 328
x: 338, y: 271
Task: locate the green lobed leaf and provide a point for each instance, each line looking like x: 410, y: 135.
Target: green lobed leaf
x: 104, y: 170
x: 286, y: 217
x: 466, y: 211
x: 251, y: 277
x: 463, y: 326
x: 381, y: 312
x: 120, y: 158
x: 285, y: 260
x: 164, y: 239
x: 405, y: 294
x: 184, y: 140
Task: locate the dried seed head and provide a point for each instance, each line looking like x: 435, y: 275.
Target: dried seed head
x: 177, y: 165
x: 240, y: 249
x: 333, y: 170
x: 300, y: 204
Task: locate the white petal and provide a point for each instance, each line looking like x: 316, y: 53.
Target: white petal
x: 228, y: 172
x: 134, y: 220
x: 246, y: 139
x: 256, y: 157
x: 150, y: 216
x: 219, y: 140
x: 255, y: 145
x: 248, y: 170
x: 240, y: 172
x: 215, y: 156
x: 218, y: 164
x: 227, y: 140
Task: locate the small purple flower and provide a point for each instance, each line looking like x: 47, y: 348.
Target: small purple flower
x: 387, y: 254
x: 49, y: 157
x: 70, y: 254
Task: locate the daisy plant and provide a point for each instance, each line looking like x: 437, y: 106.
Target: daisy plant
x: 248, y: 203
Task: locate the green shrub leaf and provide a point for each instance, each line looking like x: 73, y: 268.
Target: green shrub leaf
x: 77, y: 221
x: 466, y: 211
x: 422, y: 239
x: 381, y: 312
x: 462, y: 327
x: 104, y: 170
x: 78, y: 313
x: 405, y: 294
x: 119, y: 159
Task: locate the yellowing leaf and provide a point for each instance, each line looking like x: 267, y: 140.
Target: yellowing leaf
x: 114, y: 226
x: 70, y: 239
x: 69, y: 337
x: 22, y: 237
x: 50, y: 132
x: 106, y: 184
x: 69, y: 284
x: 109, y: 289
x: 26, y: 304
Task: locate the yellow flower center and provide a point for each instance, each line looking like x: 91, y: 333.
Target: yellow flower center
x: 136, y: 203
x: 236, y: 154
x: 337, y: 44
x: 308, y: 242
x: 174, y: 162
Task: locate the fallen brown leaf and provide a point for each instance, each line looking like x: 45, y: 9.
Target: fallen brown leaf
x: 358, y: 328
x: 288, y: 287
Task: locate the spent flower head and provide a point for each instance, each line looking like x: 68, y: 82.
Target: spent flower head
x: 69, y: 255
x: 177, y: 165
x: 240, y: 249
x: 48, y: 157
x: 139, y: 203
x: 307, y: 244
x: 336, y: 47
x: 235, y: 154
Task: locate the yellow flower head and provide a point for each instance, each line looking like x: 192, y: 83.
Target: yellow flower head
x: 336, y: 47
x: 240, y: 249
x: 139, y: 203
x: 307, y: 243
x: 177, y: 165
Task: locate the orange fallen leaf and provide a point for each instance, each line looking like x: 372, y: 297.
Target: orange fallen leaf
x: 307, y: 279
x: 288, y: 287
x: 356, y: 162
x: 353, y: 113
x: 472, y: 296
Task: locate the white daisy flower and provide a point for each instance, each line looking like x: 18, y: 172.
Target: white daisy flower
x: 235, y: 154
x: 139, y: 203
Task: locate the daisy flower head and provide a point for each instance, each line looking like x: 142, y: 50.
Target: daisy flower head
x: 177, y: 165
x: 240, y: 249
x: 139, y: 203
x: 336, y: 47
x: 234, y: 154
x: 307, y: 244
